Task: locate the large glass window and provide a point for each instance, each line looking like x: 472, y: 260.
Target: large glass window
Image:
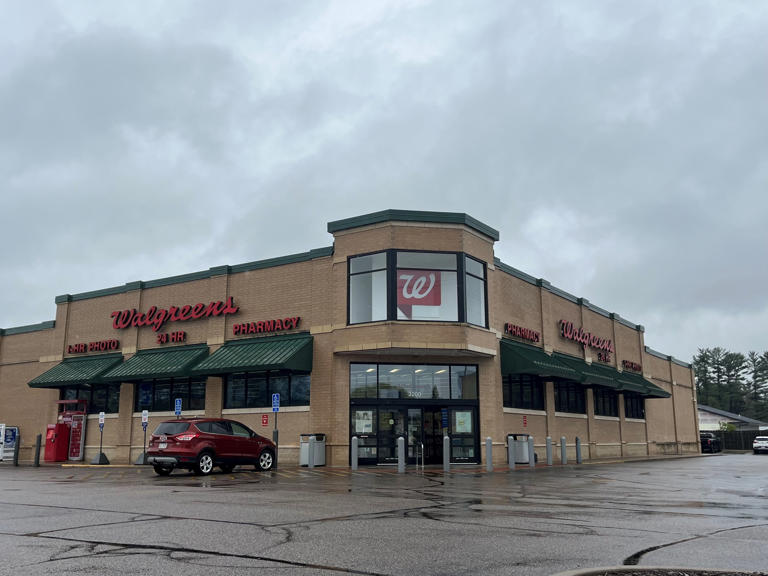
x: 606, y: 402
x: 362, y: 381
x: 421, y: 286
x: 464, y: 382
x: 368, y: 288
x: 99, y: 397
x: 570, y: 397
x: 474, y: 290
x: 634, y: 406
x: 413, y: 381
x: 160, y: 395
x: 524, y: 391
x: 427, y: 286
x: 254, y: 390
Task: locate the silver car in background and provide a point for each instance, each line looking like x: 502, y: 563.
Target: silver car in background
x: 760, y: 444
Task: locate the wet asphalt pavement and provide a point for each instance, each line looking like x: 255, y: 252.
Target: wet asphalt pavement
x: 706, y: 512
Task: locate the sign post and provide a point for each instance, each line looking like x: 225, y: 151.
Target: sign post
x: 2, y: 440
x: 275, y: 433
x: 101, y: 458
x: 142, y: 459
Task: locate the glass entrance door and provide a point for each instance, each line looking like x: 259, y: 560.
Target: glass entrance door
x: 391, y: 426
x: 433, y: 436
x: 378, y: 428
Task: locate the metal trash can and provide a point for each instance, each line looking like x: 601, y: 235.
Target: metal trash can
x: 519, y: 444
x: 319, y: 455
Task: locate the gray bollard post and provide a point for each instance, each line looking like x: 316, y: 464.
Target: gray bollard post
x: 38, y: 441
x: 563, y: 451
x: 531, y: 453
x: 355, y: 451
x: 446, y: 453
x: 311, y: 457
x: 511, y: 452
x: 401, y: 455
x: 488, y: 454
x: 16, y: 449
x: 549, y: 450
x: 578, y: 450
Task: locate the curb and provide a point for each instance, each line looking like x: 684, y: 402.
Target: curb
x: 607, y: 570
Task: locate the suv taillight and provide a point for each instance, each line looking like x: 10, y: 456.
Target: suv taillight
x: 187, y: 437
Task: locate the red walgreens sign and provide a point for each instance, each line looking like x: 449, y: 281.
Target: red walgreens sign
x: 157, y: 317
x: 417, y: 288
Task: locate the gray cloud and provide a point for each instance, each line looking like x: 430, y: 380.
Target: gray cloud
x: 620, y: 149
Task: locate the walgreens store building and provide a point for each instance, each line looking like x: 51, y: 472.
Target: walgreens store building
x: 406, y: 326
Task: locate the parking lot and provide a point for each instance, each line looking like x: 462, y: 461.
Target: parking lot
x: 696, y: 512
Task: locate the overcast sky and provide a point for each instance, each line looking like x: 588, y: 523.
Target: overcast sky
x: 620, y: 148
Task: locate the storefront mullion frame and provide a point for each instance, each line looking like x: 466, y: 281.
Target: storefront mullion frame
x: 450, y: 405
x: 285, y: 399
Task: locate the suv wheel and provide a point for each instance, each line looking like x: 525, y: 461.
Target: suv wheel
x: 204, y: 464
x: 266, y: 460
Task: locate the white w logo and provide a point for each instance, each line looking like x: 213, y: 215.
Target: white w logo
x: 418, y: 290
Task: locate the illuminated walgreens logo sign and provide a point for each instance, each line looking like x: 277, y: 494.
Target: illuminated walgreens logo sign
x: 585, y: 338
x: 158, y: 317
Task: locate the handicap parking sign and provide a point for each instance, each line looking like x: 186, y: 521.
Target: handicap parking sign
x: 178, y: 407
x: 275, y: 402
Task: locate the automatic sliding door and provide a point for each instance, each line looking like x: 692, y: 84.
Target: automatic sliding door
x: 391, y: 426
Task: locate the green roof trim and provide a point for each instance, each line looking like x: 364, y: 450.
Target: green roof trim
x: 81, y: 370
x: 413, y: 216
x: 519, y: 358
x: 158, y: 363
x: 293, y: 352
x: 48, y: 325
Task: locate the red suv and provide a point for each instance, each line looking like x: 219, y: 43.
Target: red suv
x: 199, y: 444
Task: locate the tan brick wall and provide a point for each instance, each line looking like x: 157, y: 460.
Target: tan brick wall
x: 514, y: 301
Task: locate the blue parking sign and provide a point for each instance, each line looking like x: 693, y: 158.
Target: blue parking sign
x: 178, y: 406
x: 275, y: 402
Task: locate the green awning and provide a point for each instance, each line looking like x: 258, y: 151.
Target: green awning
x: 641, y: 385
x: 158, y: 363
x: 609, y: 377
x: 518, y: 358
x: 73, y: 371
x: 259, y: 354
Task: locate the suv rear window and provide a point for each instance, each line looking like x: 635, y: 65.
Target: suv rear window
x: 761, y: 438
x: 171, y: 428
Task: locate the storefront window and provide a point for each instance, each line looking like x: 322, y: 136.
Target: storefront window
x: 474, y: 287
x: 368, y: 288
x: 100, y: 397
x: 362, y: 381
x: 255, y: 390
x: 464, y: 382
x: 425, y: 287
x: 634, y: 406
x: 570, y: 397
x: 160, y: 395
x: 525, y: 391
x: 606, y: 402
x: 300, y: 389
x: 413, y: 381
